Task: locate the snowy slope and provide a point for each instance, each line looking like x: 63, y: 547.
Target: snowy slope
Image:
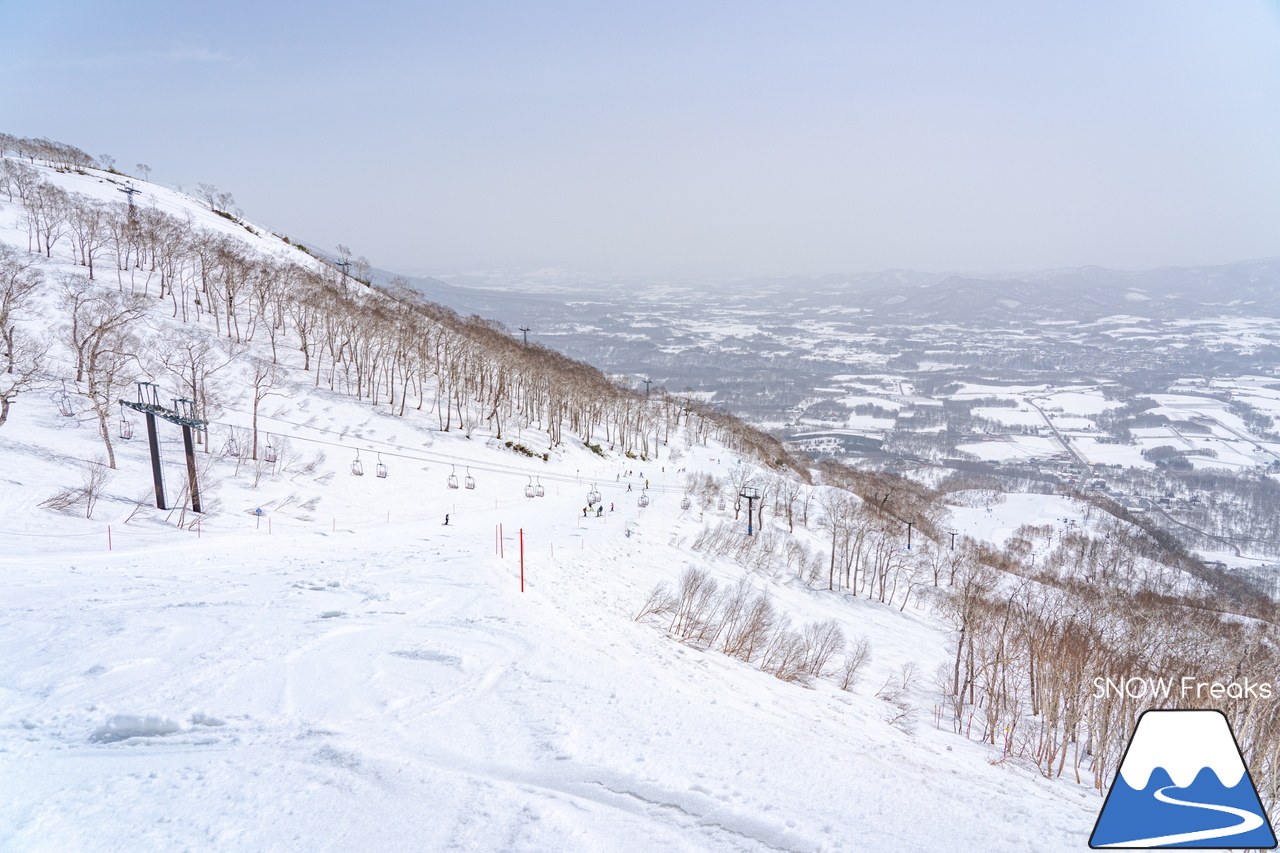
x: 346, y: 672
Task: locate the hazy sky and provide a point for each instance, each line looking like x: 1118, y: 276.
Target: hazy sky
x: 704, y: 138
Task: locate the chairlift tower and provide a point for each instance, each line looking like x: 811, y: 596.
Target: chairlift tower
x: 183, y: 414
x: 910, y: 524
x: 131, y: 191
x: 647, y: 383
x: 752, y: 495
x: 526, y: 331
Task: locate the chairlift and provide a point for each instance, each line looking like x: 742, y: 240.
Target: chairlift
x: 126, y: 428
x: 232, y: 448
x: 685, y: 503
x: 593, y: 496
x: 453, y: 477
x: 539, y: 490
x: 643, y: 500
x: 357, y: 467
x: 721, y: 506
x: 381, y: 469
x: 528, y: 488
x: 64, y: 402
x: 269, y: 452
x: 469, y: 482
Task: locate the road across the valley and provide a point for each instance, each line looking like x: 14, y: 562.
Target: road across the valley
x: 1080, y: 460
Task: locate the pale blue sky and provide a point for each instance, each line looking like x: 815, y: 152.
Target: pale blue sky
x: 702, y: 138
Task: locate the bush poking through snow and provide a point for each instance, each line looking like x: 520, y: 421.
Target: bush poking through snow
x: 744, y: 623
x: 93, y: 481
x: 856, y: 655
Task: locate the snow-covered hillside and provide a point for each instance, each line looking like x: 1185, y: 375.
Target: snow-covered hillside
x: 324, y: 664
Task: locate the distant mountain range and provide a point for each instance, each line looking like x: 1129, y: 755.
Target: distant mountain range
x: 1083, y: 294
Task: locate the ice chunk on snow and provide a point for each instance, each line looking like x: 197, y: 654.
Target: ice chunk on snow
x: 124, y: 726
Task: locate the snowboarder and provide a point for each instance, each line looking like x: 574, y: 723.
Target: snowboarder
x: 628, y: 487
x: 600, y: 510
x: 610, y: 507
x: 584, y: 512
x: 446, y: 520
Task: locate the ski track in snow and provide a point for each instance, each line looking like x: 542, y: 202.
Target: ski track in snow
x: 441, y: 710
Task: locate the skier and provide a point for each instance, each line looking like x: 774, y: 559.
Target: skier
x: 584, y: 512
x: 600, y: 510
x: 446, y: 520
x: 610, y: 507
x: 628, y: 487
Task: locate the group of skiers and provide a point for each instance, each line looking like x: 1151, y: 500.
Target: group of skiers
x: 599, y: 509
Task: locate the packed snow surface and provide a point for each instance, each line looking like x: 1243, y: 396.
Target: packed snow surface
x: 389, y: 686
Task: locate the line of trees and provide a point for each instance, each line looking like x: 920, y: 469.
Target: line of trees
x: 745, y: 623
x: 55, y: 155
x: 1027, y: 654
x: 387, y: 346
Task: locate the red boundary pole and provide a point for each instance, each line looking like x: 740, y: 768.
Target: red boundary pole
x: 522, y: 559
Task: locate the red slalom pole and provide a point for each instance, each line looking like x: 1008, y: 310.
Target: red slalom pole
x: 522, y: 559
x: 502, y: 546
x: 109, y: 545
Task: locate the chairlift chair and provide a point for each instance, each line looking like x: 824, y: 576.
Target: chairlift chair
x: 539, y: 490
x: 593, y: 496
x: 381, y: 469
x: 469, y: 482
x: 269, y: 452
x: 126, y: 428
x: 643, y: 500
x: 233, y: 448
x: 64, y: 402
x: 528, y: 488
x: 685, y: 503
x: 453, y: 477
x: 357, y: 467
x: 721, y: 505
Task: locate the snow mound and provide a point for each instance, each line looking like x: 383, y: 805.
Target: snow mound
x: 120, y: 727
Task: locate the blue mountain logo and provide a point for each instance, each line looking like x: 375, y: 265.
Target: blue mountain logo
x: 1183, y: 783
